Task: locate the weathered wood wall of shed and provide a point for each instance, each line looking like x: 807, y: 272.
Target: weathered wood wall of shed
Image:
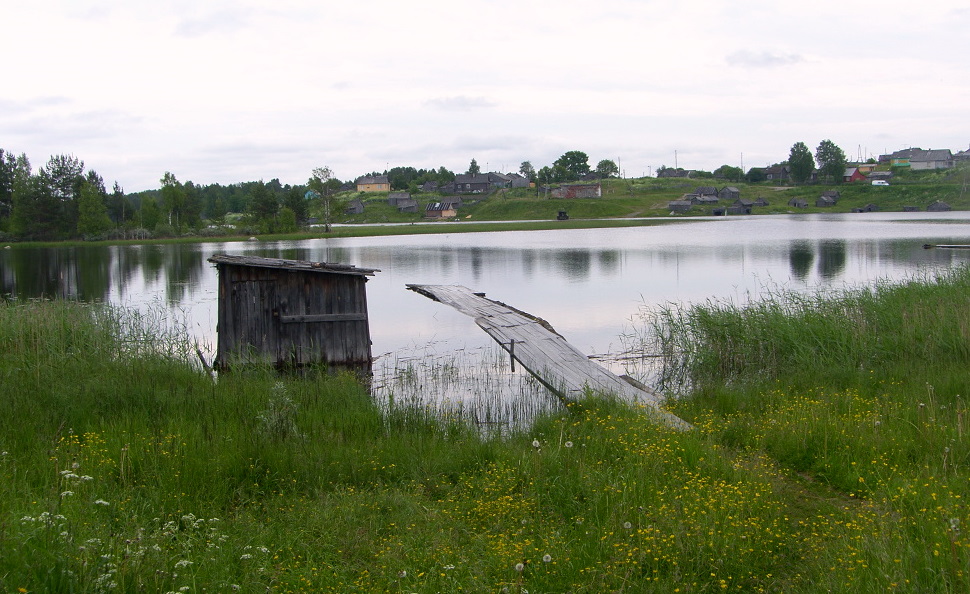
x: 285, y: 317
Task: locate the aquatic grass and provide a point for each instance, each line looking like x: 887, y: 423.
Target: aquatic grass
x: 918, y: 323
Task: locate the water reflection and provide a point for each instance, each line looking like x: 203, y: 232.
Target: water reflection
x: 800, y: 256
x: 831, y: 259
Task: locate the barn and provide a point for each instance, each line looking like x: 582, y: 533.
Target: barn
x: 291, y: 313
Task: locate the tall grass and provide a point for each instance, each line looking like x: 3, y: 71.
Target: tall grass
x: 907, y: 329
x: 123, y: 467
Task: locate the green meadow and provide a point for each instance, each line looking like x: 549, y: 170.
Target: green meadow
x: 829, y: 454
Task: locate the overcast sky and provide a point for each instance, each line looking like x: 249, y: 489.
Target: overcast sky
x: 239, y: 90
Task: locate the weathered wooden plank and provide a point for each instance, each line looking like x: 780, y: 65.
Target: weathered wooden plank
x: 348, y: 317
x: 544, y: 353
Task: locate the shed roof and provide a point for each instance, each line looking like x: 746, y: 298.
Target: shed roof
x: 300, y: 265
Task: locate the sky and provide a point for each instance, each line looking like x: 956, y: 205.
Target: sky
x: 239, y: 90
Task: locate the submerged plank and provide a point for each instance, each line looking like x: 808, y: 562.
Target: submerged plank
x: 543, y: 352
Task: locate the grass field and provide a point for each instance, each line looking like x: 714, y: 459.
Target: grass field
x: 830, y: 454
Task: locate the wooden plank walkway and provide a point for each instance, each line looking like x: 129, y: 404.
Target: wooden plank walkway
x: 544, y: 353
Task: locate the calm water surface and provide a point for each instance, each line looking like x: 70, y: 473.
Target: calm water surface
x: 589, y: 284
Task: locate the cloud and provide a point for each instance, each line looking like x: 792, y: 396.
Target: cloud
x: 763, y: 59
x: 222, y: 21
x: 460, y: 103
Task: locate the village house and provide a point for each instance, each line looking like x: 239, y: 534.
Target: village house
x: 394, y: 197
x: 729, y: 193
x: 439, y: 210
x: 853, y: 174
x: 407, y: 205
x: 931, y: 159
x: 470, y: 183
x: 429, y: 186
x: 674, y: 172
x: 797, y: 203
x: 700, y: 200
x: 938, y: 206
x: 519, y: 181
x: 778, y: 173
x: 355, y: 206
x: 374, y: 183
x: 679, y: 206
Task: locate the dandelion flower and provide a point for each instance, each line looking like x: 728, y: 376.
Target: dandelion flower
x: 519, y: 567
x: 546, y: 558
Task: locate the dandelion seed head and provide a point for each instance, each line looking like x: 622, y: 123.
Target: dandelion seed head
x: 535, y: 443
x: 519, y: 567
x: 569, y: 444
x: 546, y: 558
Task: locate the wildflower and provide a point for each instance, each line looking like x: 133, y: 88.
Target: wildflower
x: 101, y: 502
x: 67, y: 494
x: 955, y: 524
x: 627, y: 525
x: 546, y: 558
x: 245, y: 557
x: 535, y: 443
x: 183, y: 563
x: 447, y: 567
x: 569, y: 444
x: 402, y: 574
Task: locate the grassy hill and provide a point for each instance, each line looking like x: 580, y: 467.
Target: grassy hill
x: 649, y: 197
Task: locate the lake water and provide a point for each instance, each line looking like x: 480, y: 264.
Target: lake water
x: 589, y: 284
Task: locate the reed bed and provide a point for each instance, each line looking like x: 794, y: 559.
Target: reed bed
x: 125, y: 467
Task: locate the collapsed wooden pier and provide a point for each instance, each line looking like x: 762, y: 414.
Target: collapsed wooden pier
x: 544, y: 353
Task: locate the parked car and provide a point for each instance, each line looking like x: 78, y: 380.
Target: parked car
x: 880, y: 182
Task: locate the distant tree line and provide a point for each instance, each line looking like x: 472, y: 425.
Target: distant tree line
x: 63, y: 200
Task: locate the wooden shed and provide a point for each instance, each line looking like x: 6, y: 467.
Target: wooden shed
x: 291, y: 313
